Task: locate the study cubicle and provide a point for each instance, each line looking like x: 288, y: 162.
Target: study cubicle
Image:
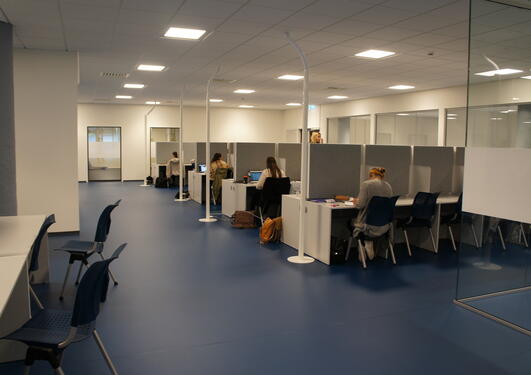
x: 196, y: 178
x: 339, y: 170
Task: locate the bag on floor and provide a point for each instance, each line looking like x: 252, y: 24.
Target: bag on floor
x: 149, y: 180
x: 161, y: 182
x: 243, y: 219
x: 271, y: 230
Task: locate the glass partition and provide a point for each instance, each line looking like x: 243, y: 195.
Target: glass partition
x: 349, y: 130
x: 407, y: 128
x: 494, y: 275
x: 456, y: 127
x: 104, y: 153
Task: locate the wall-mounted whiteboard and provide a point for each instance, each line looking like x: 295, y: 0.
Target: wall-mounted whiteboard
x: 497, y: 183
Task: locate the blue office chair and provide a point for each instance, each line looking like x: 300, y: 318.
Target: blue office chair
x: 49, y: 332
x: 35, y: 250
x: 422, y: 213
x: 380, y: 212
x: 82, y: 250
x: 455, y: 217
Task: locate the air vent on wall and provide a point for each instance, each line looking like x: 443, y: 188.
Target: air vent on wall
x: 116, y: 75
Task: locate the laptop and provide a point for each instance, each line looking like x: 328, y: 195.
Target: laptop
x: 254, y: 176
x: 202, y: 168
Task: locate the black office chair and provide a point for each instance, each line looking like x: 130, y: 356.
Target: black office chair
x: 82, y: 250
x: 522, y: 235
x: 455, y: 217
x: 49, y: 332
x: 35, y: 250
x: 422, y: 212
x: 271, y: 197
x: 380, y: 212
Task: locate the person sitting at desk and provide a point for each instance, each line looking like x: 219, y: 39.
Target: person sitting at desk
x: 216, y: 163
x: 173, y: 168
x: 374, y: 186
x: 272, y: 170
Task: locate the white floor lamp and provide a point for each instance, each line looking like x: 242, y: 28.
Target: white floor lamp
x: 300, y: 257
x: 181, y: 160
x: 147, y: 157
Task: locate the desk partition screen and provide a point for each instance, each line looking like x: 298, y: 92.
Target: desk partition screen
x: 214, y: 147
x: 251, y: 157
x: 436, y: 165
x: 334, y: 170
x: 189, y: 151
x: 396, y: 160
x: 289, y: 154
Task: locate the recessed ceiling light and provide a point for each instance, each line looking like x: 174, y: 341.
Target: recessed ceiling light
x: 451, y: 118
x: 402, y: 114
x: 183, y: 33
x: 374, y: 54
x: 499, y: 72
x: 451, y: 114
x: 215, y: 100
x: 244, y: 91
x: 151, y: 68
x: 152, y: 102
x: 401, y: 87
x: 516, y: 98
x: 246, y: 106
x: 508, y: 111
x: 496, y: 118
x: 336, y: 97
x: 123, y: 97
x: 527, y: 122
x: 134, y: 85
x: 293, y: 104
x: 526, y: 77
x: 291, y: 77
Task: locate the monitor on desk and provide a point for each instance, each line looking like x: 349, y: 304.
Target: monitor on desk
x: 254, y: 176
x: 202, y: 168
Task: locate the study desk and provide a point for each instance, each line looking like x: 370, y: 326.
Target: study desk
x: 17, y: 234
x: 196, y: 184
x: 327, y: 220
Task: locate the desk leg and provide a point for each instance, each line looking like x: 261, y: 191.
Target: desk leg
x: 17, y: 313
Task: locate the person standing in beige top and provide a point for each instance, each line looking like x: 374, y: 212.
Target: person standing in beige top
x: 173, y: 168
x: 216, y: 163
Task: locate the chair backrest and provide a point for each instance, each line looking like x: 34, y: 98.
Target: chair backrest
x: 104, y: 222
x: 380, y: 211
x: 92, y: 290
x: 424, y: 205
x: 36, y: 247
x: 274, y: 188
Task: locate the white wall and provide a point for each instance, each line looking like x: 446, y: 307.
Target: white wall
x: 45, y: 132
x: 227, y: 125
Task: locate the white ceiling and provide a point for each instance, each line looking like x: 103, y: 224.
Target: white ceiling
x: 246, y: 41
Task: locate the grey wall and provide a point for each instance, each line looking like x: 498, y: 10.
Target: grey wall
x: 8, y: 187
x: 251, y: 157
x: 291, y: 152
x: 334, y: 170
x: 220, y: 147
x: 441, y: 162
x: 396, y: 160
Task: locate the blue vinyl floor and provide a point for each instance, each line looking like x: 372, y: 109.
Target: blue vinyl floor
x: 199, y: 298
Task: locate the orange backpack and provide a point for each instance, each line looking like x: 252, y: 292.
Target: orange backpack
x: 271, y: 230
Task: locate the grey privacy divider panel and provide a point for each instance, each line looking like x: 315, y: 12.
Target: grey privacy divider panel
x: 396, y: 160
x: 460, y: 156
x: 189, y: 151
x: 334, y: 170
x: 291, y: 153
x: 220, y: 147
x: 440, y: 160
x: 251, y: 157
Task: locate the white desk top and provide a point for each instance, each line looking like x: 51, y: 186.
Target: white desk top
x: 18, y: 233
x: 10, y: 269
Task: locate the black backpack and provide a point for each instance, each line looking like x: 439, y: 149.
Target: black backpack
x: 161, y: 182
x: 149, y: 180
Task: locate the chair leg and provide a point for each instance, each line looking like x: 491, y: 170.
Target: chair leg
x: 452, y: 237
x: 59, y: 371
x: 35, y: 298
x: 348, y: 248
x: 79, y: 272
x: 433, y: 241
x: 501, y: 237
x: 104, y: 352
x: 362, y: 254
x: 110, y: 272
x: 407, y: 242
x: 392, y: 251
x: 261, y: 217
x: 522, y: 233
x: 27, y: 370
x: 475, y: 235
x: 65, y: 280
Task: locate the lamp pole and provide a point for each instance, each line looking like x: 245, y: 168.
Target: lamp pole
x: 147, y: 157
x: 181, y: 160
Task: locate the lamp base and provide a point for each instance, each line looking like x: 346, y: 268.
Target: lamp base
x: 208, y: 219
x: 181, y: 200
x: 300, y: 259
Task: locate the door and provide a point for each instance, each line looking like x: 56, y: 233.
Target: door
x: 104, y: 153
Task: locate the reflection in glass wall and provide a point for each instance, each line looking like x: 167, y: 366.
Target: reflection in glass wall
x: 407, y: 128
x: 456, y: 127
x: 104, y: 154
x: 349, y: 130
x: 494, y: 276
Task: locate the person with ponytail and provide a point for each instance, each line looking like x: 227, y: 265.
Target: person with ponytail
x: 272, y: 170
x: 374, y: 186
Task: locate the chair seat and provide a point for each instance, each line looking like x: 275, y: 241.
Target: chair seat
x: 409, y: 223
x: 76, y: 246
x: 48, y: 328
